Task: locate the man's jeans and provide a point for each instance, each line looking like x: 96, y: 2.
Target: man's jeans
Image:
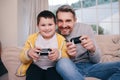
x: 78, y: 71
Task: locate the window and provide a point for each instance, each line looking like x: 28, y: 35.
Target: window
x: 102, y: 15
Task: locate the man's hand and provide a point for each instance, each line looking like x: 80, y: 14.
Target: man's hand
x: 53, y: 55
x: 87, y: 43
x: 71, y: 49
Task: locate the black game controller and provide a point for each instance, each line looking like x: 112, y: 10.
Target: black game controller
x: 75, y: 40
x: 44, y: 52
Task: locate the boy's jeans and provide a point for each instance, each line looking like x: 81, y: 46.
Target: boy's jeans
x: 78, y: 71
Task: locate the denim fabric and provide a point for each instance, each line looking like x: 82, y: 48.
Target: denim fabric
x: 78, y: 71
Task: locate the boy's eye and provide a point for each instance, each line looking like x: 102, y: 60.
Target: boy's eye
x: 50, y: 24
x: 43, y: 25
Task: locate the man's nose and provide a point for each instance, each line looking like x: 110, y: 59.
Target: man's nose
x: 64, y: 25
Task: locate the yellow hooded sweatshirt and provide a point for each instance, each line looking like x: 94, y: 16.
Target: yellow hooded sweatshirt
x: 30, y: 43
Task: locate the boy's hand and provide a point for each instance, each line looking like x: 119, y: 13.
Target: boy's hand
x: 32, y: 53
x: 53, y: 55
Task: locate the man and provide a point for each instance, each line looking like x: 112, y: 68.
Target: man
x: 85, y: 55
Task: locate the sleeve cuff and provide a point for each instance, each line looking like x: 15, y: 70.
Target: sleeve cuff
x: 59, y: 55
x: 91, y: 54
x: 26, y: 55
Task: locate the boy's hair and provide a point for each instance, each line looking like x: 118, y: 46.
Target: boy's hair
x: 46, y: 14
x: 65, y: 8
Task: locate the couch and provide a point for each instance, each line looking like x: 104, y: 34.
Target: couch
x: 109, y: 45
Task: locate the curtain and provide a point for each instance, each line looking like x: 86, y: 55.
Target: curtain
x: 31, y: 9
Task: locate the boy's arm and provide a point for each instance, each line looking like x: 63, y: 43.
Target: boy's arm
x: 64, y: 51
x: 23, y: 55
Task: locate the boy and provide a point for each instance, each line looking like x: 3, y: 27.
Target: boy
x: 35, y: 64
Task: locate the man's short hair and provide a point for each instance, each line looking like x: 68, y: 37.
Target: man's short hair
x: 65, y: 8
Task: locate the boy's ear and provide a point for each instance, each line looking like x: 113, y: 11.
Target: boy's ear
x: 37, y: 25
x: 75, y: 19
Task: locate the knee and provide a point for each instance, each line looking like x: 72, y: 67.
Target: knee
x: 63, y: 63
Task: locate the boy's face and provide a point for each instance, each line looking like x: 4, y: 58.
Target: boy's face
x: 65, y: 22
x: 47, y: 27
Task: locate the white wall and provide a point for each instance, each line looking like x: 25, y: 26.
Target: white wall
x: 8, y: 22
x: 13, y: 28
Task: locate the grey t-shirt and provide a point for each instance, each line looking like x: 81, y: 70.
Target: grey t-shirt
x: 44, y: 62
x: 82, y: 54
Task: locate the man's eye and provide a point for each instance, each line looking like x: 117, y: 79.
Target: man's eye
x: 59, y: 20
x: 68, y: 21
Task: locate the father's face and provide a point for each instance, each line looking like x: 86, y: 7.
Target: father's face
x: 65, y: 22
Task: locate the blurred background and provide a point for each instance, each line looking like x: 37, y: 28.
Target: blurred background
x: 18, y: 17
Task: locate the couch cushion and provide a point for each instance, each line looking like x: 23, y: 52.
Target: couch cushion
x: 109, y: 47
x: 106, y: 43
x: 10, y: 58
